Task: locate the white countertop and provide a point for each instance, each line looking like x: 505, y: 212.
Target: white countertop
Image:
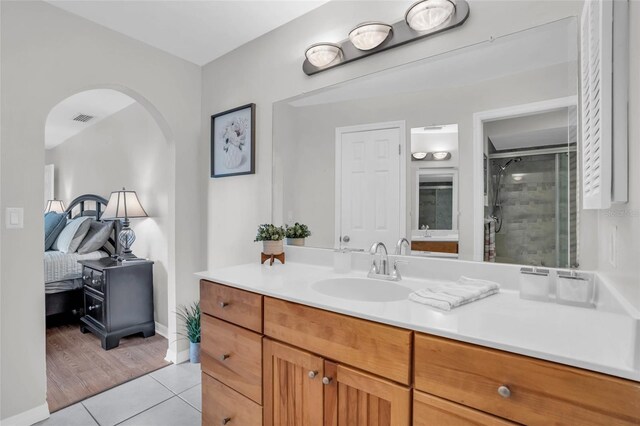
x: 597, y: 340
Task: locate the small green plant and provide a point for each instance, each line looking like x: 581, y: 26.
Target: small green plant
x: 298, y: 230
x: 270, y: 232
x: 190, y: 315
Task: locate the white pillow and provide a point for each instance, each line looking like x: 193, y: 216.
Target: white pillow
x: 72, y: 235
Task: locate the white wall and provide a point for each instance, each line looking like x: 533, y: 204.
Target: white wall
x: 47, y: 55
x: 126, y: 149
x: 268, y: 69
x: 624, y: 219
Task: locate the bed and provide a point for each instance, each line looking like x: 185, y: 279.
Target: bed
x: 63, y: 273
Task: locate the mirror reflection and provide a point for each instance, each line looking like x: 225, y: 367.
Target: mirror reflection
x: 469, y: 154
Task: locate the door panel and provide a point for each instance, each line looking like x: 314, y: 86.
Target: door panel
x: 370, y: 187
x: 291, y: 396
x: 363, y: 399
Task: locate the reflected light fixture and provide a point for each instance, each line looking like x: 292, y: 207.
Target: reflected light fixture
x: 425, y: 15
x: 369, y: 35
x: 323, y: 54
x: 55, y: 206
x: 419, y: 155
x: 441, y: 155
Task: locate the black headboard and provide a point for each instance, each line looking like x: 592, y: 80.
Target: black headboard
x: 94, y: 205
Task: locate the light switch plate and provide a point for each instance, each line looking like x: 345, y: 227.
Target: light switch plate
x: 14, y: 218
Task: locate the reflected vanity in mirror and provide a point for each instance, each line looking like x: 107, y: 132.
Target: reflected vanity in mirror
x: 470, y: 154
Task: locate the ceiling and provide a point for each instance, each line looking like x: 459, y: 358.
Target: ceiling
x: 98, y: 103
x: 198, y: 31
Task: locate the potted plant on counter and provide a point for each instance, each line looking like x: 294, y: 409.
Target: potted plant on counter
x: 190, y: 315
x: 296, y: 234
x: 271, y: 237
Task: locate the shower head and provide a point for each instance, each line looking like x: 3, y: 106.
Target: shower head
x: 508, y: 163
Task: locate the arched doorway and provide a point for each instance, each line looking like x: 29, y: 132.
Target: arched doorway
x: 99, y: 140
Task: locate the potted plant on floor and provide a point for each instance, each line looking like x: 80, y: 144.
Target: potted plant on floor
x: 296, y: 234
x: 271, y: 237
x: 190, y: 315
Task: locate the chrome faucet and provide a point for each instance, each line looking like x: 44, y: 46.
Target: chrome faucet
x: 402, y: 241
x: 380, y: 268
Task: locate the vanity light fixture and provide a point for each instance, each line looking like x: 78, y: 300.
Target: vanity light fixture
x: 419, y: 155
x: 422, y: 19
x: 441, y: 155
x: 322, y: 54
x: 369, y: 35
x: 426, y: 15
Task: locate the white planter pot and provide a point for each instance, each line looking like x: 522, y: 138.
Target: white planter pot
x: 272, y: 247
x: 295, y: 241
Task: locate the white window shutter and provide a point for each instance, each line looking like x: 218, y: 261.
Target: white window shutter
x: 596, y: 83
x: 604, y: 83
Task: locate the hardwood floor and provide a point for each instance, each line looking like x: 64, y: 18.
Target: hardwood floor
x: 77, y: 367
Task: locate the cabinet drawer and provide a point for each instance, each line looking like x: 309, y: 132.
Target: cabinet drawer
x: 93, y: 279
x: 430, y: 410
x: 230, y: 304
x: 94, y: 308
x: 435, y: 246
x: 377, y: 348
x: 222, y: 405
x: 541, y: 392
x: 233, y: 356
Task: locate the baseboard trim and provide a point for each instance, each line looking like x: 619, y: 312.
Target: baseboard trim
x: 28, y: 417
x: 178, y: 357
x: 162, y: 330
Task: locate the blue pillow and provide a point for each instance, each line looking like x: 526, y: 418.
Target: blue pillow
x: 54, y: 223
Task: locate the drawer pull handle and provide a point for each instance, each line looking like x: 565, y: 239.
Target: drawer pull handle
x: 504, y: 391
x: 92, y: 307
x: 226, y: 420
x: 224, y: 357
x: 326, y: 380
x: 94, y: 281
x: 313, y: 374
x: 85, y: 277
x: 223, y: 305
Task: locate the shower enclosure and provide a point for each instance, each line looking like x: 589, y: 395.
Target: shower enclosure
x: 532, y: 198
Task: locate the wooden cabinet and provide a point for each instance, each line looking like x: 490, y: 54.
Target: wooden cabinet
x: 522, y: 389
x: 317, y: 368
x: 303, y: 389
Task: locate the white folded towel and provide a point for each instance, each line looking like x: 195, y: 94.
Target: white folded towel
x: 448, y: 295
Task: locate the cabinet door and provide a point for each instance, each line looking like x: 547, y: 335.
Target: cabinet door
x: 354, y: 398
x: 292, y: 386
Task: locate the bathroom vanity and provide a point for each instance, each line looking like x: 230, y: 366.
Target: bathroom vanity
x: 281, y: 346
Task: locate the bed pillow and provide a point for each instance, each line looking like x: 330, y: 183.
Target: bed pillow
x: 54, y: 223
x: 72, y: 235
x: 96, y: 238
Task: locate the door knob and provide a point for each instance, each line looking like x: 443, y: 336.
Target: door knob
x: 346, y: 239
x: 313, y: 374
x: 326, y: 380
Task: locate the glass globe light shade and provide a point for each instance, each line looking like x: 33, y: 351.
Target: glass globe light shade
x: 322, y: 54
x: 369, y: 35
x: 428, y: 14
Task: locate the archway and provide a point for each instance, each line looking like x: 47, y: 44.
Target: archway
x: 134, y: 142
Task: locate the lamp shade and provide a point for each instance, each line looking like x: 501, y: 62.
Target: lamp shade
x: 322, y: 54
x: 369, y: 35
x: 55, y: 206
x: 425, y: 15
x: 124, y: 205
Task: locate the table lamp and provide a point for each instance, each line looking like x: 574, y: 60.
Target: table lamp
x: 124, y: 205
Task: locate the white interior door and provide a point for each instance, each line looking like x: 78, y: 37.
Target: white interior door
x: 371, y: 184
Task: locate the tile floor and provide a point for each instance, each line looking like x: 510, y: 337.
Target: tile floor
x: 170, y: 396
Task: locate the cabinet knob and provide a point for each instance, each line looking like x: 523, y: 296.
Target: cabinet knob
x: 94, y: 281
x: 226, y: 420
x: 85, y: 277
x: 92, y: 307
x: 223, y: 305
x: 313, y: 374
x: 504, y: 391
x: 326, y: 380
x: 224, y: 357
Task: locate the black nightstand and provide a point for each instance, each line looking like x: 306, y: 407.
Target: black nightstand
x: 118, y: 299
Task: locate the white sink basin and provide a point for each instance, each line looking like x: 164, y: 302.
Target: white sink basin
x: 362, y: 289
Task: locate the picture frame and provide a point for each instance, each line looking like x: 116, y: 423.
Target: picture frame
x: 233, y: 146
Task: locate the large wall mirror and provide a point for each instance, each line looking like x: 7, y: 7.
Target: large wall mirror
x: 469, y: 154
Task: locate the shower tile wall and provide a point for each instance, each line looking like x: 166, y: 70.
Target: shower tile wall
x: 435, y: 208
x: 528, y: 234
